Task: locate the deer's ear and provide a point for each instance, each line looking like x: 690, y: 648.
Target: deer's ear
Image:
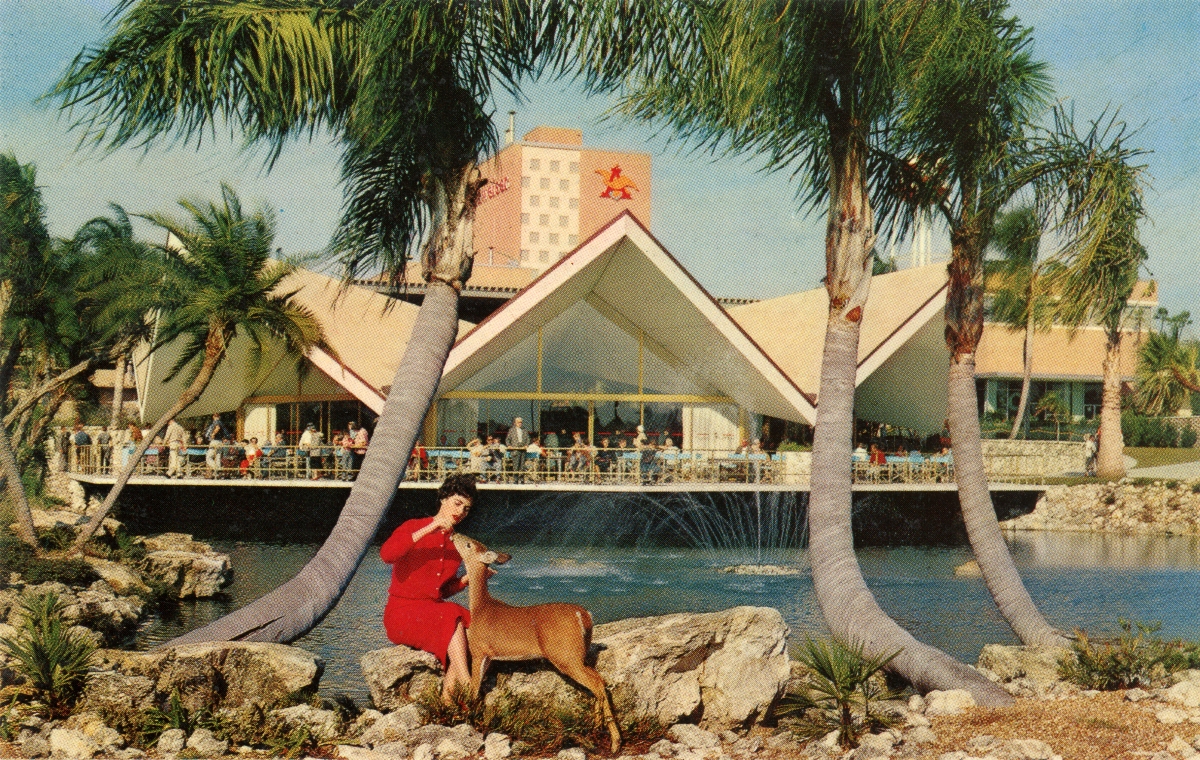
x: 502, y: 558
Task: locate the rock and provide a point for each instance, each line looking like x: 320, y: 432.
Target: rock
x: 350, y: 752
x: 1026, y: 749
x: 321, y: 724
x: 192, y: 575
x: 423, y: 752
x: 171, y: 741
x: 450, y: 749
x: 950, y: 702
x: 397, y: 675
x: 394, y: 726
x: 206, y: 743
x: 920, y: 735
x: 122, y: 579
x: 574, y: 753
x: 916, y: 720
x: 882, y: 742
x: 35, y: 745
x: 692, y: 736
x: 663, y: 748
x: 130, y: 753
x: 1039, y: 664
x: 93, y: 727
x: 1171, y: 717
x: 1181, y: 748
x: 123, y: 698
x: 1136, y: 695
x: 49, y: 519
x: 99, y: 608
x: 1191, y: 674
x: 955, y: 755
x: 496, y: 746
x: 1185, y: 693
x: 176, y: 542
x: 211, y: 674
x: 968, y: 569
x: 916, y: 703
x: 69, y: 743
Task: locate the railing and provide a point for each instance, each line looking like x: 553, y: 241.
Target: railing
x: 588, y: 466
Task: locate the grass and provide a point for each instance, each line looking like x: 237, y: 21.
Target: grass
x: 1136, y: 657
x: 1148, y: 457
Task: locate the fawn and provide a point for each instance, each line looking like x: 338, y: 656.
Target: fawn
x: 559, y: 632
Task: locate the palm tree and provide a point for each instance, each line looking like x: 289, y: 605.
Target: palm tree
x: 810, y: 85
x: 1166, y: 374
x: 1019, y: 297
x: 974, y: 94
x: 220, y: 283
x: 1092, y: 190
x: 404, y: 86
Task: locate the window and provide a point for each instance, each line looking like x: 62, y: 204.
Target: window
x: 524, y: 181
x: 533, y: 237
x: 524, y: 218
x: 543, y: 256
x: 562, y: 221
x: 553, y: 166
x: 524, y: 254
x: 535, y: 164
x: 554, y: 201
x: 544, y: 220
x: 553, y: 238
x: 1093, y: 395
x: 574, y: 167
x: 534, y: 200
x: 544, y: 183
x: 572, y: 240
x: 574, y: 203
x: 564, y: 184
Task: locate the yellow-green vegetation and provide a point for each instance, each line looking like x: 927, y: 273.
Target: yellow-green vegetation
x: 842, y: 687
x: 16, y: 556
x: 51, y: 657
x: 1154, y: 457
x: 1136, y: 657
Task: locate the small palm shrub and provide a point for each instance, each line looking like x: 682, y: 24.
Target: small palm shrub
x: 49, y: 655
x: 1134, y: 658
x: 15, y: 554
x: 841, y: 691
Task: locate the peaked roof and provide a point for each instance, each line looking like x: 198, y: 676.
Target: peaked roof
x: 791, y: 328
x: 626, y: 274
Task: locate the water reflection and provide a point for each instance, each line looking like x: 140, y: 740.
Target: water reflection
x: 1078, y: 580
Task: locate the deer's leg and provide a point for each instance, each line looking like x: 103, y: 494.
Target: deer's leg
x: 593, y: 682
x: 478, y: 671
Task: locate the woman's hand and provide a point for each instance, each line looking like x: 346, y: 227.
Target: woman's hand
x: 444, y: 523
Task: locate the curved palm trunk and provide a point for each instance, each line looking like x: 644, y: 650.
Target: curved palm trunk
x: 8, y: 461
x: 214, y: 349
x: 296, y: 607
x: 1027, y: 377
x: 847, y: 604
x: 964, y: 325
x: 30, y: 399
x: 114, y: 421
x: 1110, y: 459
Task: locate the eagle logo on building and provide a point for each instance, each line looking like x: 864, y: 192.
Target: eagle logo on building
x: 616, y: 186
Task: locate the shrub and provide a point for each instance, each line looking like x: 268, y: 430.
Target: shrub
x: 1187, y: 438
x: 56, y: 539
x: 793, y: 446
x: 1131, y: 659
x: 71, y: 572
x: 52, y: 658
x: 841, y: 688
x: 15, y: 554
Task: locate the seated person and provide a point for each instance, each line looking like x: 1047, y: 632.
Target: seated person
x: 249, y: 465
x: 877, y: 456
x: 860, y: 454
x: 495, y: 455
x: 605, y: 457
x: 579, y: 456
x: 478, y: 453
x: 916, y: 457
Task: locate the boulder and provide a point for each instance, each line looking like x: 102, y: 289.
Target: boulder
x: 397, y: 675
x: 692, y: 736
x: 1186, y: 693
x: 1171, y: 717
x: 207, y: 675
x: 206, y: 743
x: 171, y: 741
x: 92, y: 726
x: 191, y: 574
x: 123, y: 580
x: 99, y: 608
x: 394, y: 726
x: 950, y: 702
x: 72, y: 744
x: 1038, y: 664
x: 321, y: 724
x: 496, y: 747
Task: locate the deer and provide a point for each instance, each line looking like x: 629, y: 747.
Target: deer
x: 558, y: 632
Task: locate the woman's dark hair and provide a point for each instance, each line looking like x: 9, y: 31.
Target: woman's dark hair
x: 461, y: 484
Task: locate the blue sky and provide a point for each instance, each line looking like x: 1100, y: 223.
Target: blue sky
x: 737, y: 229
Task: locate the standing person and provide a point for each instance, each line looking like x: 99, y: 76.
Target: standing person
x: 216, y: 429
x: 104, y: 440
x: 361, y: 439
x: 1090, y: 447
x: 425, y: 568
x: 517, y: 441
x: 310, y: 449
x: 133, y: 439
x: 176, y: 442
x: 550, y: 443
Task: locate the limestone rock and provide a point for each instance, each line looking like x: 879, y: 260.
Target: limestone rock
x: 1181, y: 748
x: 397, y: 675
x: 692, y: 736
x: 1185, y: 693
x: 574, y: 753
x: 968, y: 569
x: 92, y: 726
x: 206, y: 743
x: 1039, y: 664
x: 882, y: 742
x: 1136, y: 695
x: 72, y: 744
x: 172, y: 740
x: 394, y: 726
x: 423, y: 752
x: 321, y: 724
x: 123, y: 580
x: 34, y: 745
x: 496, y: 747
x: 208, y: 675
x: 193, y: 575
x: 950, y: 702
x: 920, y: 735
x: 1171, y: 716
x: 1025, y: 749
x: 350, y: 752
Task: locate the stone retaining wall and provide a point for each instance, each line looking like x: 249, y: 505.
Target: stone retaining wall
x: 1020, y: 457
x: 1163, y: 507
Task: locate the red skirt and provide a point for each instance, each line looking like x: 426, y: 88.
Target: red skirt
x: 424, y: 624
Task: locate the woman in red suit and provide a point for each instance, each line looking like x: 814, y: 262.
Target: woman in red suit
x: 424, y: 572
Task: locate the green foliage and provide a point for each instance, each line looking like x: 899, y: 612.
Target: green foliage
x: 1187, y: 438
x: 1166, y: 372
x: 842, y: 686
x: 52, y: 658
x: 15, y: 554
x: 1152, y: 432
x: 70, y: 571
x: 56, y: 539
x: 293, y: 742
x: 793, y: 446
x: 1132, y: 659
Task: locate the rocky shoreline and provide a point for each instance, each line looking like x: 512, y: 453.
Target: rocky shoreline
x: 1161, y: 507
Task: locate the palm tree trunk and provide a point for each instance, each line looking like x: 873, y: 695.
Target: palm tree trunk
x: 8, y: 461
x: 214, y: 350
x: 12, y: 353
x: 30, y: 399
x: 847, y: 604
x: 964, y: 326
x: 291, y: 610
x: 118, y: 401
x: 1110, y: 460
x: 1026, y: 377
